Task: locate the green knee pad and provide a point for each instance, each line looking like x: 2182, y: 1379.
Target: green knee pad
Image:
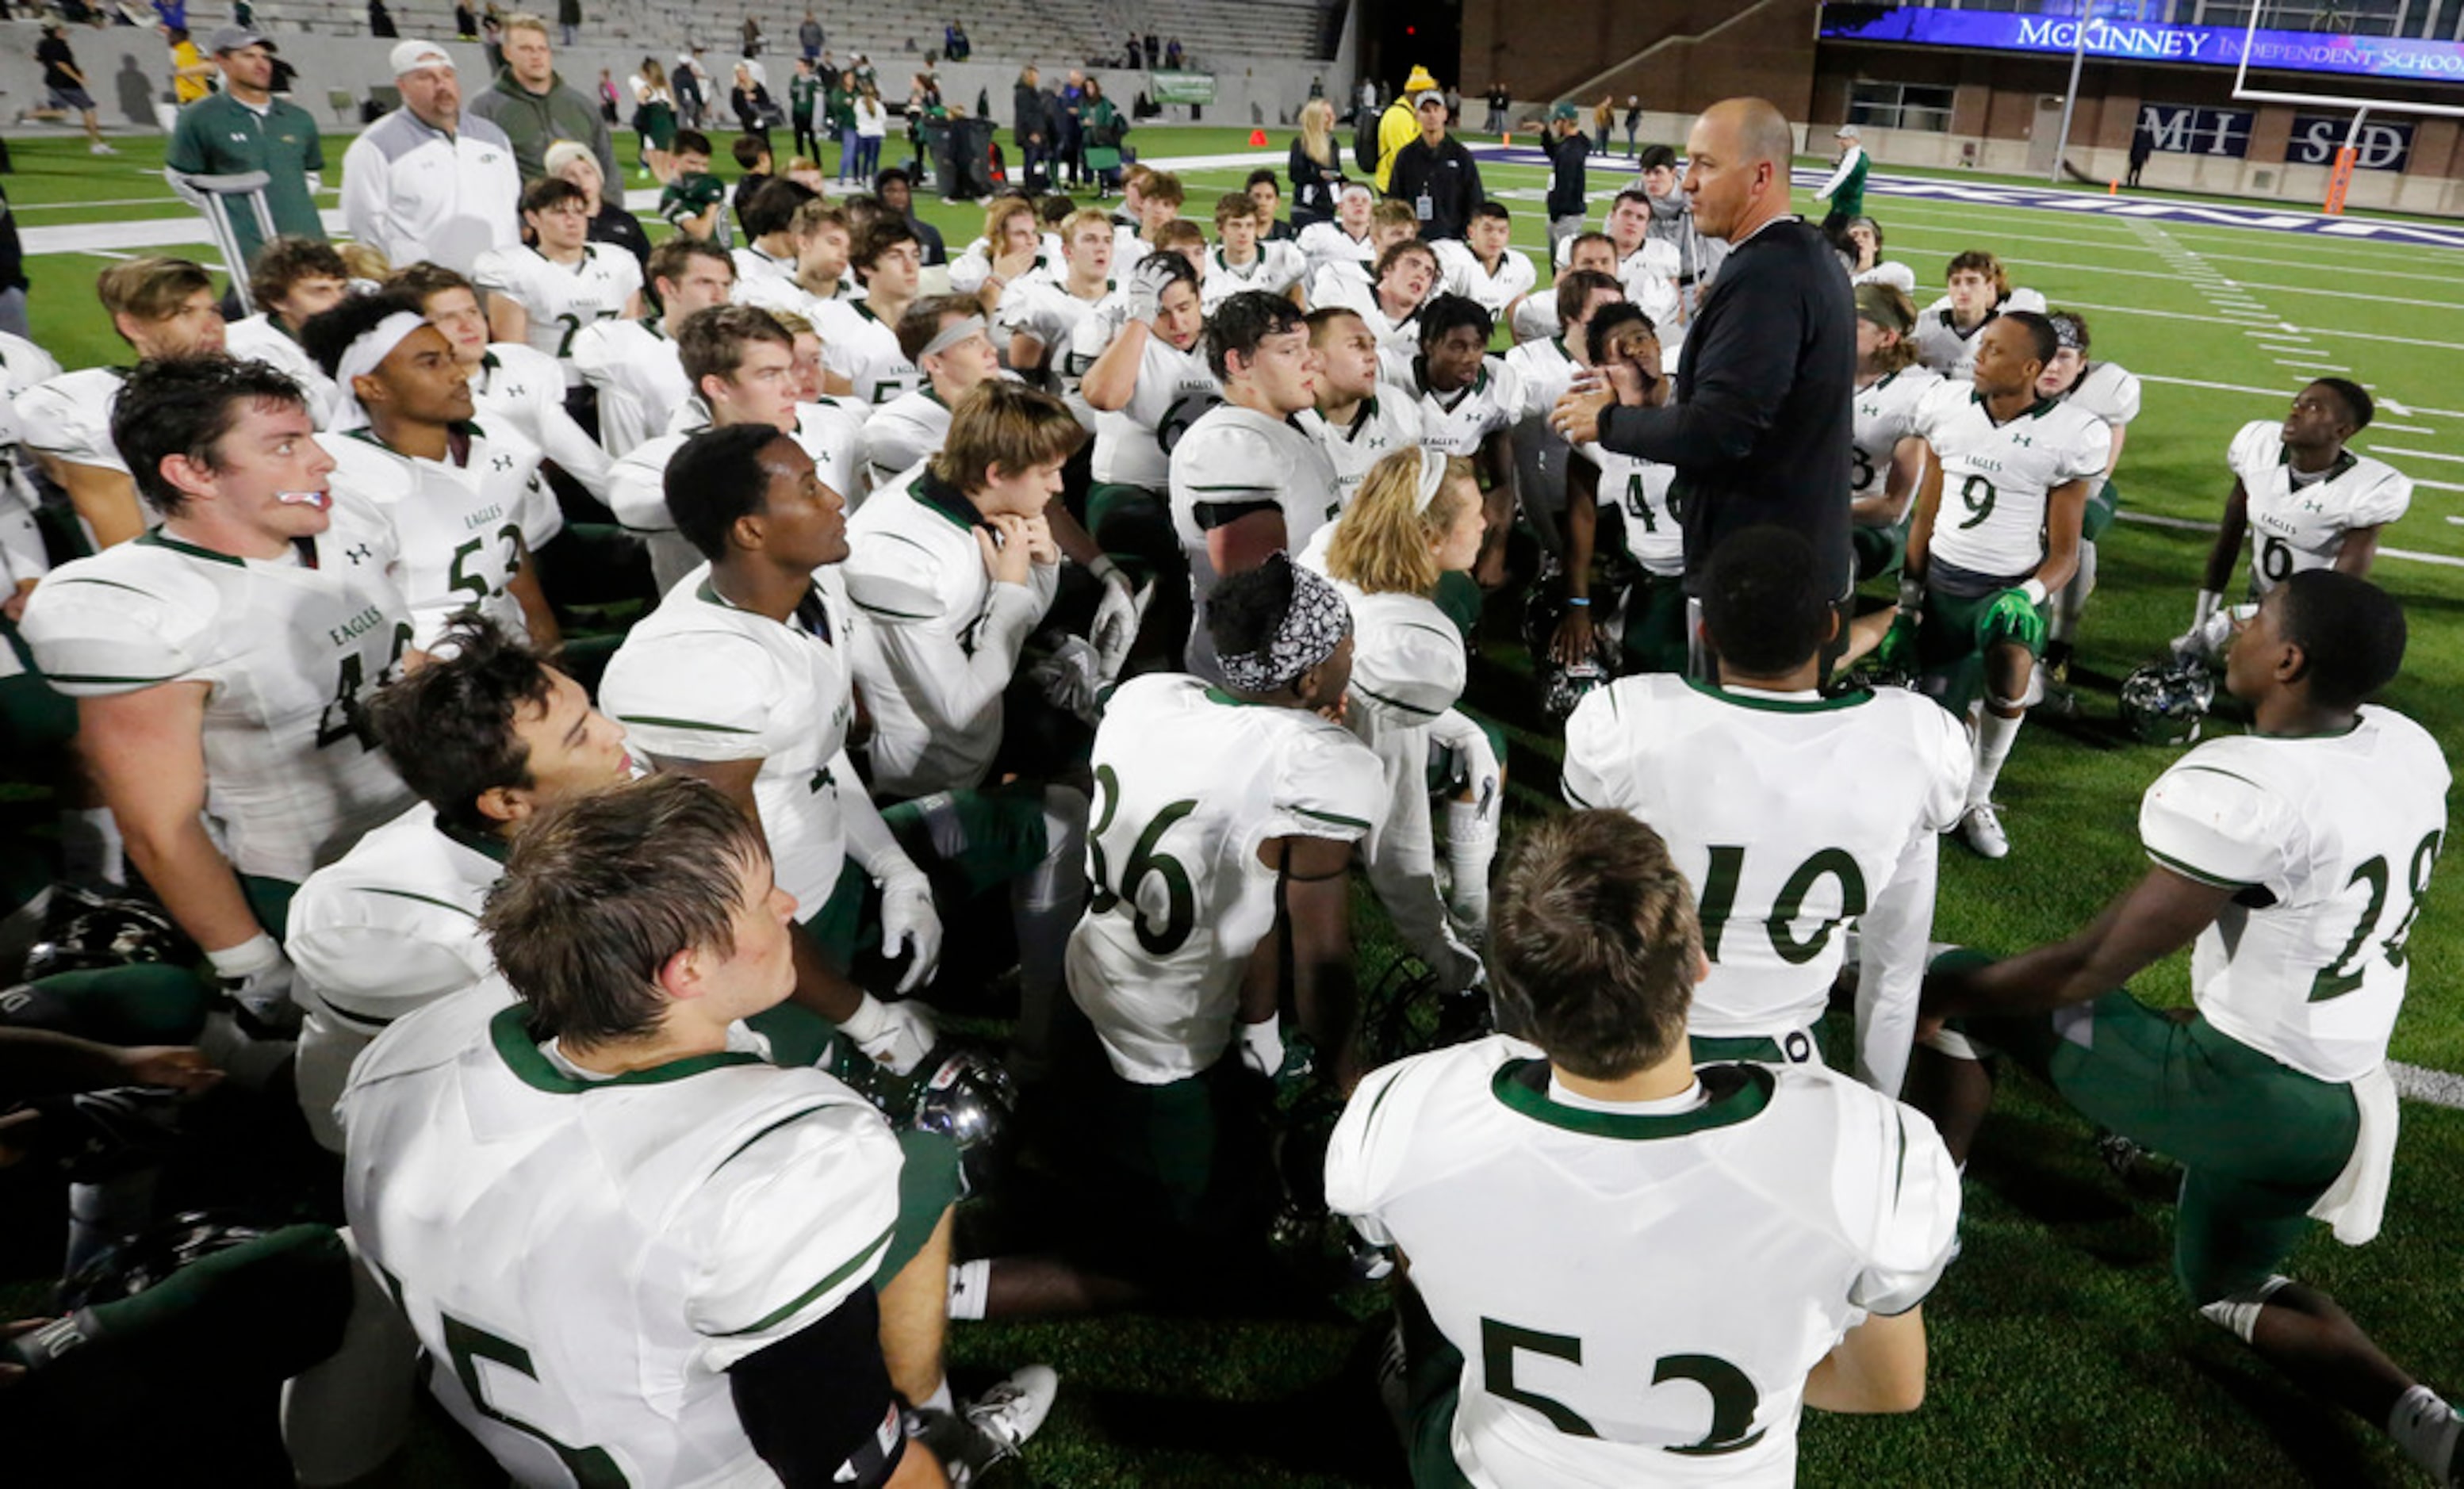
x: 142, y: 1003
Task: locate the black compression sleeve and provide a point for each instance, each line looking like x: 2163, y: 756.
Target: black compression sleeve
x: 818, y: 1404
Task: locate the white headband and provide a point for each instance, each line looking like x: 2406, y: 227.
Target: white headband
x: 364, y: 356
x: 1433, y: 477
x: 951, y: 335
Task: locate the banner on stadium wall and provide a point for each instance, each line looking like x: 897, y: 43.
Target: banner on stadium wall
x: 2401, y: 58
x: 1183, y: 88
x: 2318, y: 136
x: 2186, y: 129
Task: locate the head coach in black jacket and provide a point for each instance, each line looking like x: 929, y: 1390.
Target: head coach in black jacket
x: 1759, y: 422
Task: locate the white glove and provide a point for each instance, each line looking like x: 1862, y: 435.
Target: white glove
x: 1261, y: 1046
x: 1070, y: 678
x: 1124, y: 609
x: 1144, y: 297
x: 2206, y: 638
x: 256, y: 976
x: 893, y: 1036
x: 909, y: 920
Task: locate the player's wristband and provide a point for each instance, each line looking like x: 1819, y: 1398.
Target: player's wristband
x: 1105, y: 570
x: 1911, y: 595
x: 2034, y: 590
x: 1579, y: 602
x: 257, y: 953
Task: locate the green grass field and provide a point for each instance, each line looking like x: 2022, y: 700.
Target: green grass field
x: 2060, y: 1352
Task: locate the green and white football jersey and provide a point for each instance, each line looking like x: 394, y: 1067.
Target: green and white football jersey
x: 1639, y: 1291
x: 2329, y: 842
x: 1996, y: 478
x: 1189, y: 782
x: 2296, y: 528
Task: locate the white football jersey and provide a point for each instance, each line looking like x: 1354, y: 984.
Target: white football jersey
x: 940, y: 639
x: 1885, y: 414
x: 68, y: 417
x: 831, y: 431
x: 520, y: 392
x: 23, y: 555
x: 382, y: 931
x: 759, y: 276
x: 1649, y: 275
x: 1277, y: 267
x: 699, y: 679
x: 1190, y: 781
x: 1790, y: 815
x: 1324, y: 242
x: 2293, y: 530
x: 1387, y: 421
x: 1642, y: 493
x: 1953, y: 352
x: 465, y: 531
x: 2111, y: 392
x: 258, y: 337
x: 969, y: 269
x: 290, y: 651
x: 2330, y: 840
x: 1640, y: 1292
x: 771, y: 293
x: 1134, y: 444
x: 1899, y: 276
x: 1456, y: 423
x: 1233, y: 462
x: 904, y: 433
x: 1996, y: 478
x: 1046, y: 311
x: 584, y: 1259
x: 1543, y: 370
x: 1494, y: 289
x: 559, y: 300
x: 641, y: 381
x: 861, y: 347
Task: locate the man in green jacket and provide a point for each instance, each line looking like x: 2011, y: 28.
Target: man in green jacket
x: 535, y: 108
x: 1845, y: 191
x: 246, y: 128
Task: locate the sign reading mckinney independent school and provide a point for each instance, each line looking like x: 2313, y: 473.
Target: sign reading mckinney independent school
x: 2404, y: 58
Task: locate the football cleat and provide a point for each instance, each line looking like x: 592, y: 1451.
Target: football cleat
x: 2166, y: 702
x: 1981, y: 829
x: 1009, y: 1413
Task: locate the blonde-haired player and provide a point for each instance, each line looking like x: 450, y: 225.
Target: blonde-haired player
x: 1416, y: 518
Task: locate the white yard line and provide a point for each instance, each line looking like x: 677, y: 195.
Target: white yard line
x: 2195, y: 525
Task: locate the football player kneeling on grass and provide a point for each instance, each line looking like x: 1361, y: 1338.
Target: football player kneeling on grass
x: 2295, y: 857
x: 1620, y: 1264
x: 678, y: 1263
x: 1225, y: 823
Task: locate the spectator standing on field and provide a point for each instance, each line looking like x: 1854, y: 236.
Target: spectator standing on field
x: 568, y: 18
x: 1499, y: 100
x: 426, y: 183
x: 809, y: 37
x: 1633, y: 122
x: 1314, y: 168
x: 691, y: 97
x: 1845, y: 191
x: 1398, y: 126
x: 1567, y: 206
x: 804, y: 103
x: 380, y: 21
x: 64, y: 81
x: 1029, y: 125
x: 1436, y: 174
x: 245, y: 128
x: 536, y: 108
x: 466, y: 21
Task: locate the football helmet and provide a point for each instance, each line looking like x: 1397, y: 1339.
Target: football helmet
x: 969, y: 1099
x: 1562, y: 688
x: 150, y: 1257
x: 2165, y: 701
x: 83, y: 931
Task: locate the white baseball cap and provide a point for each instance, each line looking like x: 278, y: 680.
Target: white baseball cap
x: 409, y: 57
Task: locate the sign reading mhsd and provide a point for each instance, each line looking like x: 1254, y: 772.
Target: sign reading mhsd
x: 2213, y: 46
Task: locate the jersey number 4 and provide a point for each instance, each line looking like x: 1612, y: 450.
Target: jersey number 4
x: 2344, y: 973
x: 345, y: 716
x: 1734, y: 1400
x: 1180, y: 915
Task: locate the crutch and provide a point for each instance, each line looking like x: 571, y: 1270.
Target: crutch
x: 215, y: 196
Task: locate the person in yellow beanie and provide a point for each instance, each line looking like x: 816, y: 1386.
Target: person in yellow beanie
x: 1398, y: 126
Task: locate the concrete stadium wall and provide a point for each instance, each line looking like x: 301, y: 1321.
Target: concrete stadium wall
x: 1768, y: 51
x: 128, y: 65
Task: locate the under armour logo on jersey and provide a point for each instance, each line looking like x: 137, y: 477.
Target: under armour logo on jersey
x: 2025, y: 440
x: 501, y: 463
x: 238, y: 138
x: 821, y: 780
x: 359, y: 553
